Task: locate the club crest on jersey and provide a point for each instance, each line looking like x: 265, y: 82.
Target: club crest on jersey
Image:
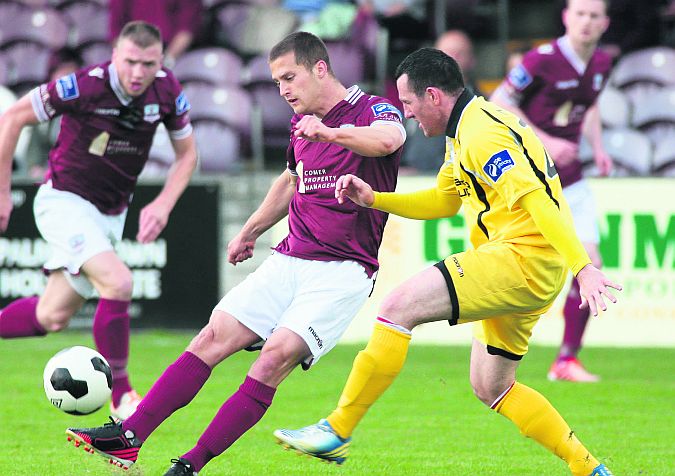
x: 66, y: 87
x: 151, y: 113
x: 498, y: 164
x: 384, y: 108
x: 182, y: 104
x: 519, y: 77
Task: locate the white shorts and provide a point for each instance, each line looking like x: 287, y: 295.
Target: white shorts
x: 75, y: 231
x: 315, y: 299
x: 580, y: 199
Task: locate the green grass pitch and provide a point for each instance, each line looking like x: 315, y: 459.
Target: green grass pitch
x: 428, y: 422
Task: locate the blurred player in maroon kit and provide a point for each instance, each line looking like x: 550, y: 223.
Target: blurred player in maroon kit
x: 299, y: 302
x: 555, y: 89
x: 109, y: 115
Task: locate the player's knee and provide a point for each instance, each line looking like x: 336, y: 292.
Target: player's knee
x: 124, y: 284
x: 396, y: 308
x: 274, y: 363
x: 120, y: 286
x: 204, y: 340
x: 484, y: 391
x: 53, y: 320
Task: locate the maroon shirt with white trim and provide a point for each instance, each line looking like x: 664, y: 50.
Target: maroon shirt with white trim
x: 554, y: 88
x: 105, y: 134
x: 319, y: 227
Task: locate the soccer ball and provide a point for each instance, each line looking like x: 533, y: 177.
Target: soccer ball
x: 78, y: 380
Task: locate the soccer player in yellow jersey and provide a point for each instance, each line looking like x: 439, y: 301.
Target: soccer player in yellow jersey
x: 523, y: 244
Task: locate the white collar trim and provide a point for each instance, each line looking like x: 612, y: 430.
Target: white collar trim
x: 117, y: 88
x: 353, y: 94
x: 568, y: 52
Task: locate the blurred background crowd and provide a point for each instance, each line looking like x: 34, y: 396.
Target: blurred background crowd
x: 218, y: 50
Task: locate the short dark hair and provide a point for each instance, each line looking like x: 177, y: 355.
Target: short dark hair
x: 429, y: 67
x: 142, y: 34
x: 308, y: 49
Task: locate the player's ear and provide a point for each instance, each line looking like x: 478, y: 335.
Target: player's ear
x: 434, y: 94
x: 321, y: 68
x: 564, y: 17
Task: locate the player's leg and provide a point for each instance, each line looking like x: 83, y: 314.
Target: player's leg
x: 422, y: 298
x: 113, y: 281
x: 567, y: 365
x: 58, y: 217
x: 282, y: 352
x: 176, y: 387
x: 256, y: 305
x: 35, y: 316
x: 493, y: 378
x: 451, y: 289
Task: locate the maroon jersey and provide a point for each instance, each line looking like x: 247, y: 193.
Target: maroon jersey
x: 319, y: 227
x: 555, y: 88
x: 105, y: 134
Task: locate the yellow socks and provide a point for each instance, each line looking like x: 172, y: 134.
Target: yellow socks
x: 537, y: 419
x: 374, y: 369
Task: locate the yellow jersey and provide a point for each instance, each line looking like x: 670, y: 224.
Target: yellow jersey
x: 496, y: 167
x: 492, y: 159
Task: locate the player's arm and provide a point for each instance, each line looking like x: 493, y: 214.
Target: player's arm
x: 556, y: 225
x: 376, y: 140
x: 155, y: 215
x: 272, y: 209
x: 591, y: 128
x: 436, y: 202
x: 19, y: 115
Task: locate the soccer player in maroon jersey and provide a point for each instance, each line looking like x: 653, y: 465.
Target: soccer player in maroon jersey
x: 555, y: 89
x: 109, y: 115
x: 298, y: 303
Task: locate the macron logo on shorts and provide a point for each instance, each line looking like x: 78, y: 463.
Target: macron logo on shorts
x: 316, y: 337
x: 498, y: 164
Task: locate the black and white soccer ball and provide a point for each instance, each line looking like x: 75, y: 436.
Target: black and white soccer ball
x: 78, y: 380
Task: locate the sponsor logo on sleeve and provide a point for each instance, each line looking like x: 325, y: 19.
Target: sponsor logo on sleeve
x: 386, y: 111
x: 151, y: 113
x: 66, y: 87
x: 498, y: 164
x: 182, y: 104
x: 519, y: 77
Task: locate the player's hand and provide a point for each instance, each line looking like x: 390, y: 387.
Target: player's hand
x: 5, y: 210
x: 352, y: 187
x: 240, y: 249
x: 594, y: 287
x: 312, y: 129
x: 562, y: 151
x: 603, y: 162
x: 154, y: 217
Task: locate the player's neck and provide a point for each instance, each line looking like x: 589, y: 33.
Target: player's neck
x: 583, y: 50
x: 332, y: 95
